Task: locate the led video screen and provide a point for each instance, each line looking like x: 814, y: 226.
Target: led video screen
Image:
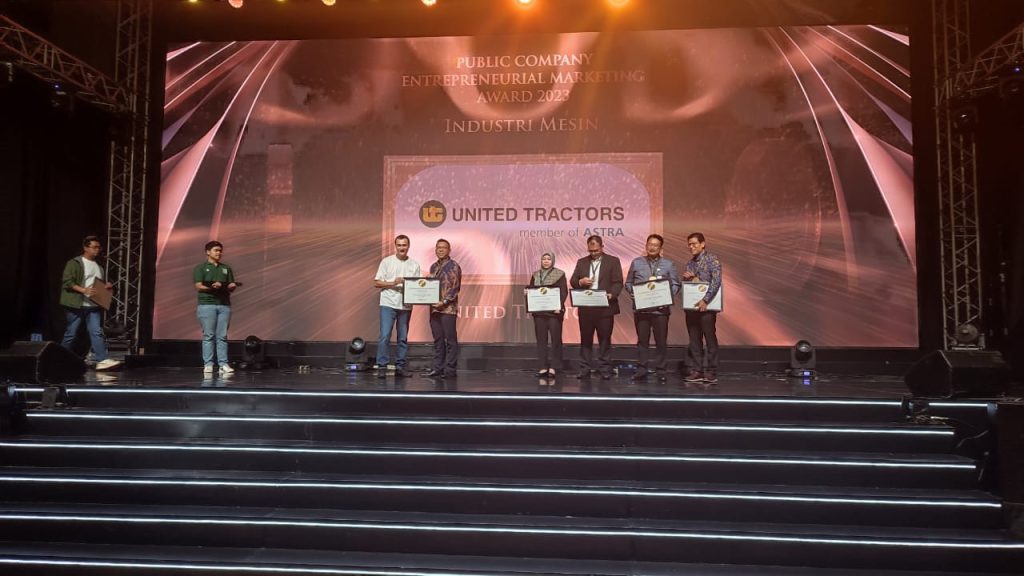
x: 790, y: 148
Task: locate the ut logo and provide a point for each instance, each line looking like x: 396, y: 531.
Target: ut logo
x: 433, y: 213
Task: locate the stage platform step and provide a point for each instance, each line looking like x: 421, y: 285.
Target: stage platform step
x: 34, y: 559
x: 511, y: 536
x: 465, y: 495
x: 632, y: 463
x: 568, y: 431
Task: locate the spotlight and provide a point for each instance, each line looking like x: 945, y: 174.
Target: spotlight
x: 618, y: 3
x: 524, y: 2
x: 328, y: 2
x: 252, y: 353
x: 236, y: 3
x: 964, y: 114
x: 355, y: 356
x: 967, y: 335
x: 429, y: 2
x: 802, y: 360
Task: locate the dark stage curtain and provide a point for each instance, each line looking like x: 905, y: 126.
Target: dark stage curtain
x: 53, y: 165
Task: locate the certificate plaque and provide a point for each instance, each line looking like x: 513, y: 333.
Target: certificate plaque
x: 652, y: 294
x: 421, y: 291
x: 694, y: 292
x: 544, y: 299
x: 589, y: 298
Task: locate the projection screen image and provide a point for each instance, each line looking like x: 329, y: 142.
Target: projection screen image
x: 790, y: 148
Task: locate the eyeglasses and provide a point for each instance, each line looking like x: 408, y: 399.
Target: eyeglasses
x: 693, y: 243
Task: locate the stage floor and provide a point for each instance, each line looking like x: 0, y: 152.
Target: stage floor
x: 505, y: 381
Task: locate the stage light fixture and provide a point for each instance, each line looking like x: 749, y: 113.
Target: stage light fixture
x: 328, y: 2
x: 252, y: 353
x: 428, y: 3
x: 355, y: 356
x: 236, y: 3
x: 802, y: 360
x: 524, y: 2
x: 967, y: 335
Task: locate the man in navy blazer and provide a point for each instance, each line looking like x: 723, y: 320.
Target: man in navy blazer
x: 597, y: 271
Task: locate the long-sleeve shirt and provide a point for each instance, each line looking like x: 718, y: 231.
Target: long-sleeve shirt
x: 642, y: 269
x: 707, y: 268
x: 450, y: 274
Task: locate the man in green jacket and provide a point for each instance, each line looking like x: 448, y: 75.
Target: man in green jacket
x: 77, y: 288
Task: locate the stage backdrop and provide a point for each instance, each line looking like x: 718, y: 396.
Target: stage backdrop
x: 789, y: 148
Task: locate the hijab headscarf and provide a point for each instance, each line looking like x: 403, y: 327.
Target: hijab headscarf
x: 550, y: 276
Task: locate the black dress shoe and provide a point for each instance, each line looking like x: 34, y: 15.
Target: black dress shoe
x: 639, y: 376
x: 450, y: 375
x: 606, y: 375
x: 542, y: 373
x: 584, y: 374
x: 402, y: 373
x: 433, y: 374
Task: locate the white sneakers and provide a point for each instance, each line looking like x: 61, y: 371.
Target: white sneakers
x: 226, y: 369
x: 107, y: 364
x: 208, y: 369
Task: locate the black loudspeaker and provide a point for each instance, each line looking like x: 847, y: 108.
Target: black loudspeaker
x: 958, y: 374
x: 36, y: 362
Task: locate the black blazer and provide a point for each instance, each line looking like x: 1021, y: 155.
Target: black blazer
x: 609, y: 279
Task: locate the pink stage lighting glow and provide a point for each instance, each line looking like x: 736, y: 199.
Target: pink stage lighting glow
x: 236, y: 3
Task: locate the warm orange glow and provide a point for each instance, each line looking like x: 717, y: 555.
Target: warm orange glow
x: 618, y: 3
x: 328, y: 2
x: 236, y: 3
x: 524, y: 2
x: 429, y: 2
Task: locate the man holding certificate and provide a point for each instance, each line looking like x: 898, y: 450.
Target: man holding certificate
x: 700, y: 321
x: 394, y: 312
x: 597, y: 280
x: 652, y: 281
x: 83, y: 295
x: 444, y: 312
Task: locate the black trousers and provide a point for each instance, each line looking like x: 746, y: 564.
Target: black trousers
x: 701, y: 328
x: 645, y: 324
x: 592, y: 321
x: 446, y: 342
x: 543, y: 327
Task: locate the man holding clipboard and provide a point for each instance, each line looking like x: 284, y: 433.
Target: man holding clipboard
x: 700, y: 320
x: 596, y: 275
x: 84, y: 296
x: 652, y: 281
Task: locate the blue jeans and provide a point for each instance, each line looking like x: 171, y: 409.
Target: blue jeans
x: 389, y: 318
x: 214, y: 318
x: 93, y: 316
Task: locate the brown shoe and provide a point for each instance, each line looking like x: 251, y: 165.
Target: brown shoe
x: 694, y: 376
x: 710, y: 377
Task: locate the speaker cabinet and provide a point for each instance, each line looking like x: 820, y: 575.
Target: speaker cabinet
x: 959, y: 374
x: 38, y: 362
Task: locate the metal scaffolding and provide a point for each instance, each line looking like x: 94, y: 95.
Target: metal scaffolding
x: 958, y: 78
x: 128, y: 169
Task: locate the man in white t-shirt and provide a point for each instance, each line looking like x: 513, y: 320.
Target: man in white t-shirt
x: 81, y: 275
x: 390, y: 277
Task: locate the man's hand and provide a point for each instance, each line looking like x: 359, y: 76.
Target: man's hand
x: 586, y: 282
x: 89, y: 292
x: 688, y: 275
x: 232, y: 286
x: 110, y: 286
x: 398, y: 281
x: 438, y: 306
x: 702, y: 306
x: 216, y: 285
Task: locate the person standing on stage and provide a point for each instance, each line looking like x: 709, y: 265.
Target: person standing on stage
x: 444, y: 313
x: 391, y: 275
x: 700, y: 323
x: 547, y: 324
x: 652, y: 266
x: 78, y: 282
x: 214, y: 282
x: 597, y: 271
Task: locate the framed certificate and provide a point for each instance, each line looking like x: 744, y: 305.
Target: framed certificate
x: 589, y: 298
x: 694, y: 292
x: 421, y: 291
x: 652, y: 294
x: 543, y: 299
x: 102, y: 296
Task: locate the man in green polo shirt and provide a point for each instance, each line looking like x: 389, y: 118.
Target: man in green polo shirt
x: 214, y: 282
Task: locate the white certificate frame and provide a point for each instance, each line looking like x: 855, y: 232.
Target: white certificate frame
x: 694, y: 292
x: 587, y: 298
x: 652, y: 294
x: 544, y: 299
x: 418, y: 291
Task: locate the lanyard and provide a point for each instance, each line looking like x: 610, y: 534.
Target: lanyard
x: 594, y: 265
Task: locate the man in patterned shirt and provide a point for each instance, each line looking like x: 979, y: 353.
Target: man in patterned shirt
x: 700, y: 323
x: 444, y: 313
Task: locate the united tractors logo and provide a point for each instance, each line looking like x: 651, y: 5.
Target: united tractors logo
x: 433, y: 213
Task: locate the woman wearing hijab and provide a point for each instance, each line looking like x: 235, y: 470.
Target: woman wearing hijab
x: 547, y: 324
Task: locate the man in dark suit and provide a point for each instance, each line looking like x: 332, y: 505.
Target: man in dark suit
x: 597, y: 271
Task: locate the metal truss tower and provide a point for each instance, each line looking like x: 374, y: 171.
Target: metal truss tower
x: 960, y: 76
x: 128, y: 169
